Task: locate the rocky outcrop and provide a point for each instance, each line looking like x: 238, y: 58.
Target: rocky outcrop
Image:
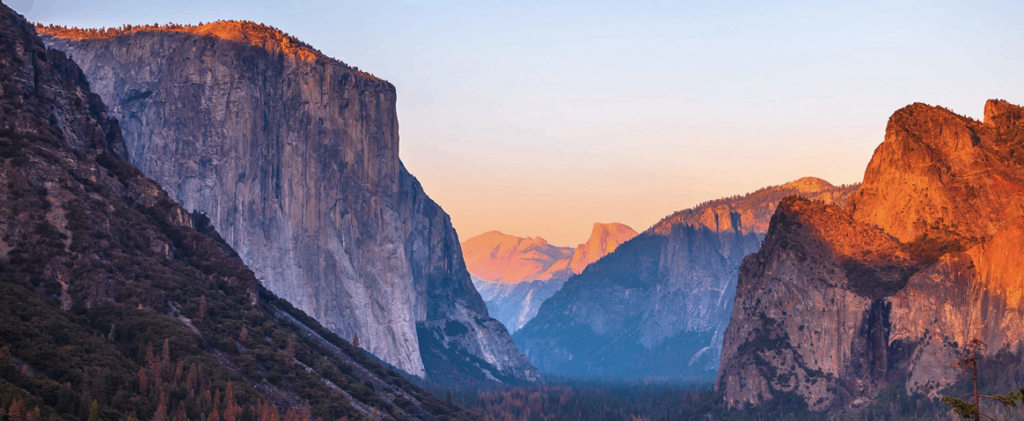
x: 657, y: 307
x: 604, y: 239
x: 515, y: 275
x: 294, y: 156
x: 98, y: 266
x: 841, y: 301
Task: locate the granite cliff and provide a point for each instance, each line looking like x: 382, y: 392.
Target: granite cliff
x: 98, y: 266
x: 604, y: 239
x: 294, y: 156
x: 656, y: 308
x: 515, y: 275
x: 842, y: 301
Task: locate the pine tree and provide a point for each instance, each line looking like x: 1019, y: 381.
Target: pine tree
x: 143, y: 381
x: 161, y: 409
x: 178, y: 371
x: 289, y: 350
x: 165, y: 360
x: 231, y: 408
x: 151, y: 362
x: 94, y: 411
x: 206, y: 402
x: 192, y: 381
x: 202, y: 307
x: 16, y: 411
x: 180, y: 413
x: 355, y: 340
x: 972, y: 410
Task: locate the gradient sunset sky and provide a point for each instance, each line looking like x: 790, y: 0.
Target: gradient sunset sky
x: 543, y: 117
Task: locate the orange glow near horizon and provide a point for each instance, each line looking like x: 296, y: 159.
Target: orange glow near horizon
x: 562, y: 202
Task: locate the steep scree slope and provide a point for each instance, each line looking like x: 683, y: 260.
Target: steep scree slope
x: 295, y: 158
x: 99, y: 268
x: 843, y: 301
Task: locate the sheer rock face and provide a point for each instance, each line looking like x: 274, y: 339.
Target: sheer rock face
x: 294, y: 156
x: 604, y: 239
x: 96, y: 262
x: 515, y: 275
x: 841, y: 301
x: 657, y: 307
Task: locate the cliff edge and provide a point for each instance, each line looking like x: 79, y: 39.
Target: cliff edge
x: 294, y: 156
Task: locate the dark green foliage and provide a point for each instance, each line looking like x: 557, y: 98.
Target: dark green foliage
x: 1011, y: 139
x: 454, y: 328
x: 568, y: 400
x: 929, y: 248
x: 877, y: 282
x: 969, y: 405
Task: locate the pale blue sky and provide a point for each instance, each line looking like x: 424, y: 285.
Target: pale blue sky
x: 542, y: 117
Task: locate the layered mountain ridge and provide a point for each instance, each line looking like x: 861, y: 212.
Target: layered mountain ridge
x: 294, y: 156
x: 842, y: 301
x: 506, y: 259
x: 656, y: 308
x: 98, y: 267
x: 515, y: 275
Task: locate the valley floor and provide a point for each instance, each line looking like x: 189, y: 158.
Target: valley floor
x: 572, y: 401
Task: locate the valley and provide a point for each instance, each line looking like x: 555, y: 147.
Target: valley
x: 215, y: 222
x: 515, y: 275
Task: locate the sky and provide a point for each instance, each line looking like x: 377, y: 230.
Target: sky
x: 539, y: 118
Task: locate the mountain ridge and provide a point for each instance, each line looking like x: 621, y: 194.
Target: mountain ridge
x: 515, y: 275
x: 656, y: 308
x: 255, y: 34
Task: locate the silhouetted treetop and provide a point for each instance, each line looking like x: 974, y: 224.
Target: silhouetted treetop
x: 252, y: 33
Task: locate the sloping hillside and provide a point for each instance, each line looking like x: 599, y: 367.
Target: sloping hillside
x: 116, y: 303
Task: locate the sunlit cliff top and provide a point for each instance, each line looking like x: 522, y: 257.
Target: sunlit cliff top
x: 252, y: 33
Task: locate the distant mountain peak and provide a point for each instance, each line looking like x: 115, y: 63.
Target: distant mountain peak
x: 497, y: 257
x: 809, y: 185
x: 515, y: 275
x: 604, y: 239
